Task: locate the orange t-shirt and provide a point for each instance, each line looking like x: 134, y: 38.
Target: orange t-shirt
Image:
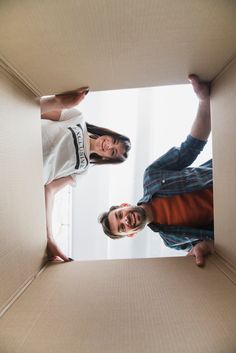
x: 193, y: 209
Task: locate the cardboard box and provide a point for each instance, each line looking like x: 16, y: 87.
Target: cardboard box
x: 147, y: 305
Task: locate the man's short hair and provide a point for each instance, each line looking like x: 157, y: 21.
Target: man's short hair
x: 103, y: 219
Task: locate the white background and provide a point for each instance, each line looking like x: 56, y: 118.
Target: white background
x: 155, y: 119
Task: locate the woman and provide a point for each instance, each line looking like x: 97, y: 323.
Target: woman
x: 70, y: 145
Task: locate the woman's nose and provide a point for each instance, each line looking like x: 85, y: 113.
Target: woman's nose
x: 126, y: 221
x: 106, y: 145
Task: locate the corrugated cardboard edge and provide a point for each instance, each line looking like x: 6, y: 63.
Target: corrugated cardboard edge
x: 20, y: 291
x: 18, y: 76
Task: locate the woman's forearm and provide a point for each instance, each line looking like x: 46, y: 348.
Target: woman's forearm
x: 50, y: 191
x: 49, y: 202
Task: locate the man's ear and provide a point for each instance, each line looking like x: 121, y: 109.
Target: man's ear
x: 131, y: 235
x: 125, y: 204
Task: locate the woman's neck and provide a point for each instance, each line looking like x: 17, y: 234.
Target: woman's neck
x: 92, y: 142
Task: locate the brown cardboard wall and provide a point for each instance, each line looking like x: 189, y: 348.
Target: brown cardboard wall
x: 107, y: 44
x: 223, y: 107
x: 135, y: 306
x: 22, y: 230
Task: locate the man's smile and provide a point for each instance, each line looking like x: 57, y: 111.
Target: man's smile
x: 131, y: 220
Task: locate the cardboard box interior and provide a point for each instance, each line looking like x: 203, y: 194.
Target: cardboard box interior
x: 166, y: 305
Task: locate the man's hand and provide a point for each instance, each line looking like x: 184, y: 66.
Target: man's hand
x: 69, y: 99
x: 201, y: 127
x: 201, y: 88
x: 54, y: 251
x: 201, y: 250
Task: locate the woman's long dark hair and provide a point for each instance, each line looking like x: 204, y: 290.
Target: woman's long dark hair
x: 95, y: 132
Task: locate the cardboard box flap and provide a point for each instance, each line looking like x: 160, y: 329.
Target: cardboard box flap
x: 58, y: 45
x: 146, y: 305
x: 22, y: 231
x: 223, y: 110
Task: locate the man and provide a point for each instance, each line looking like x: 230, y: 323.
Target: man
x: 178, y: 199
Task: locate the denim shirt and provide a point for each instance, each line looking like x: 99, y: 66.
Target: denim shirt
x: 171, y: 175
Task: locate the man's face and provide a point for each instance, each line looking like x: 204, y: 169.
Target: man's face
x: 127, y: 220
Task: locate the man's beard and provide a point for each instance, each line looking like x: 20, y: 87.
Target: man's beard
x: 143, y: 217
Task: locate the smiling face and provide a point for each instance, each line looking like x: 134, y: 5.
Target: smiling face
x: 127, y: 220
x: 108, y: 147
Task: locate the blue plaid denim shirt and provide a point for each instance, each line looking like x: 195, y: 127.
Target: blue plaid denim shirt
x: 171, y: 175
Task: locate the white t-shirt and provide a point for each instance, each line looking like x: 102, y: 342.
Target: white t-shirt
x: 65, y: 146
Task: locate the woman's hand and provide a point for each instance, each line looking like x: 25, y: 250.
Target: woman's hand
x: 69, y: 99
x: 54, y: 251
x: 52, y: 106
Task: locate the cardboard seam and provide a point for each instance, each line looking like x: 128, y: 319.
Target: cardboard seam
x: 20, y: 291
x: 225, y: 68
x: 224, y: 266
x: 40, y: 313
x: 18, y: 76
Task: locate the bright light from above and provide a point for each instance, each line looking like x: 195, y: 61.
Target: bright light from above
x: 155, y: 119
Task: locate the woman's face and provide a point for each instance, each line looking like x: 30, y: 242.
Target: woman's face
x: 107, y: 146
